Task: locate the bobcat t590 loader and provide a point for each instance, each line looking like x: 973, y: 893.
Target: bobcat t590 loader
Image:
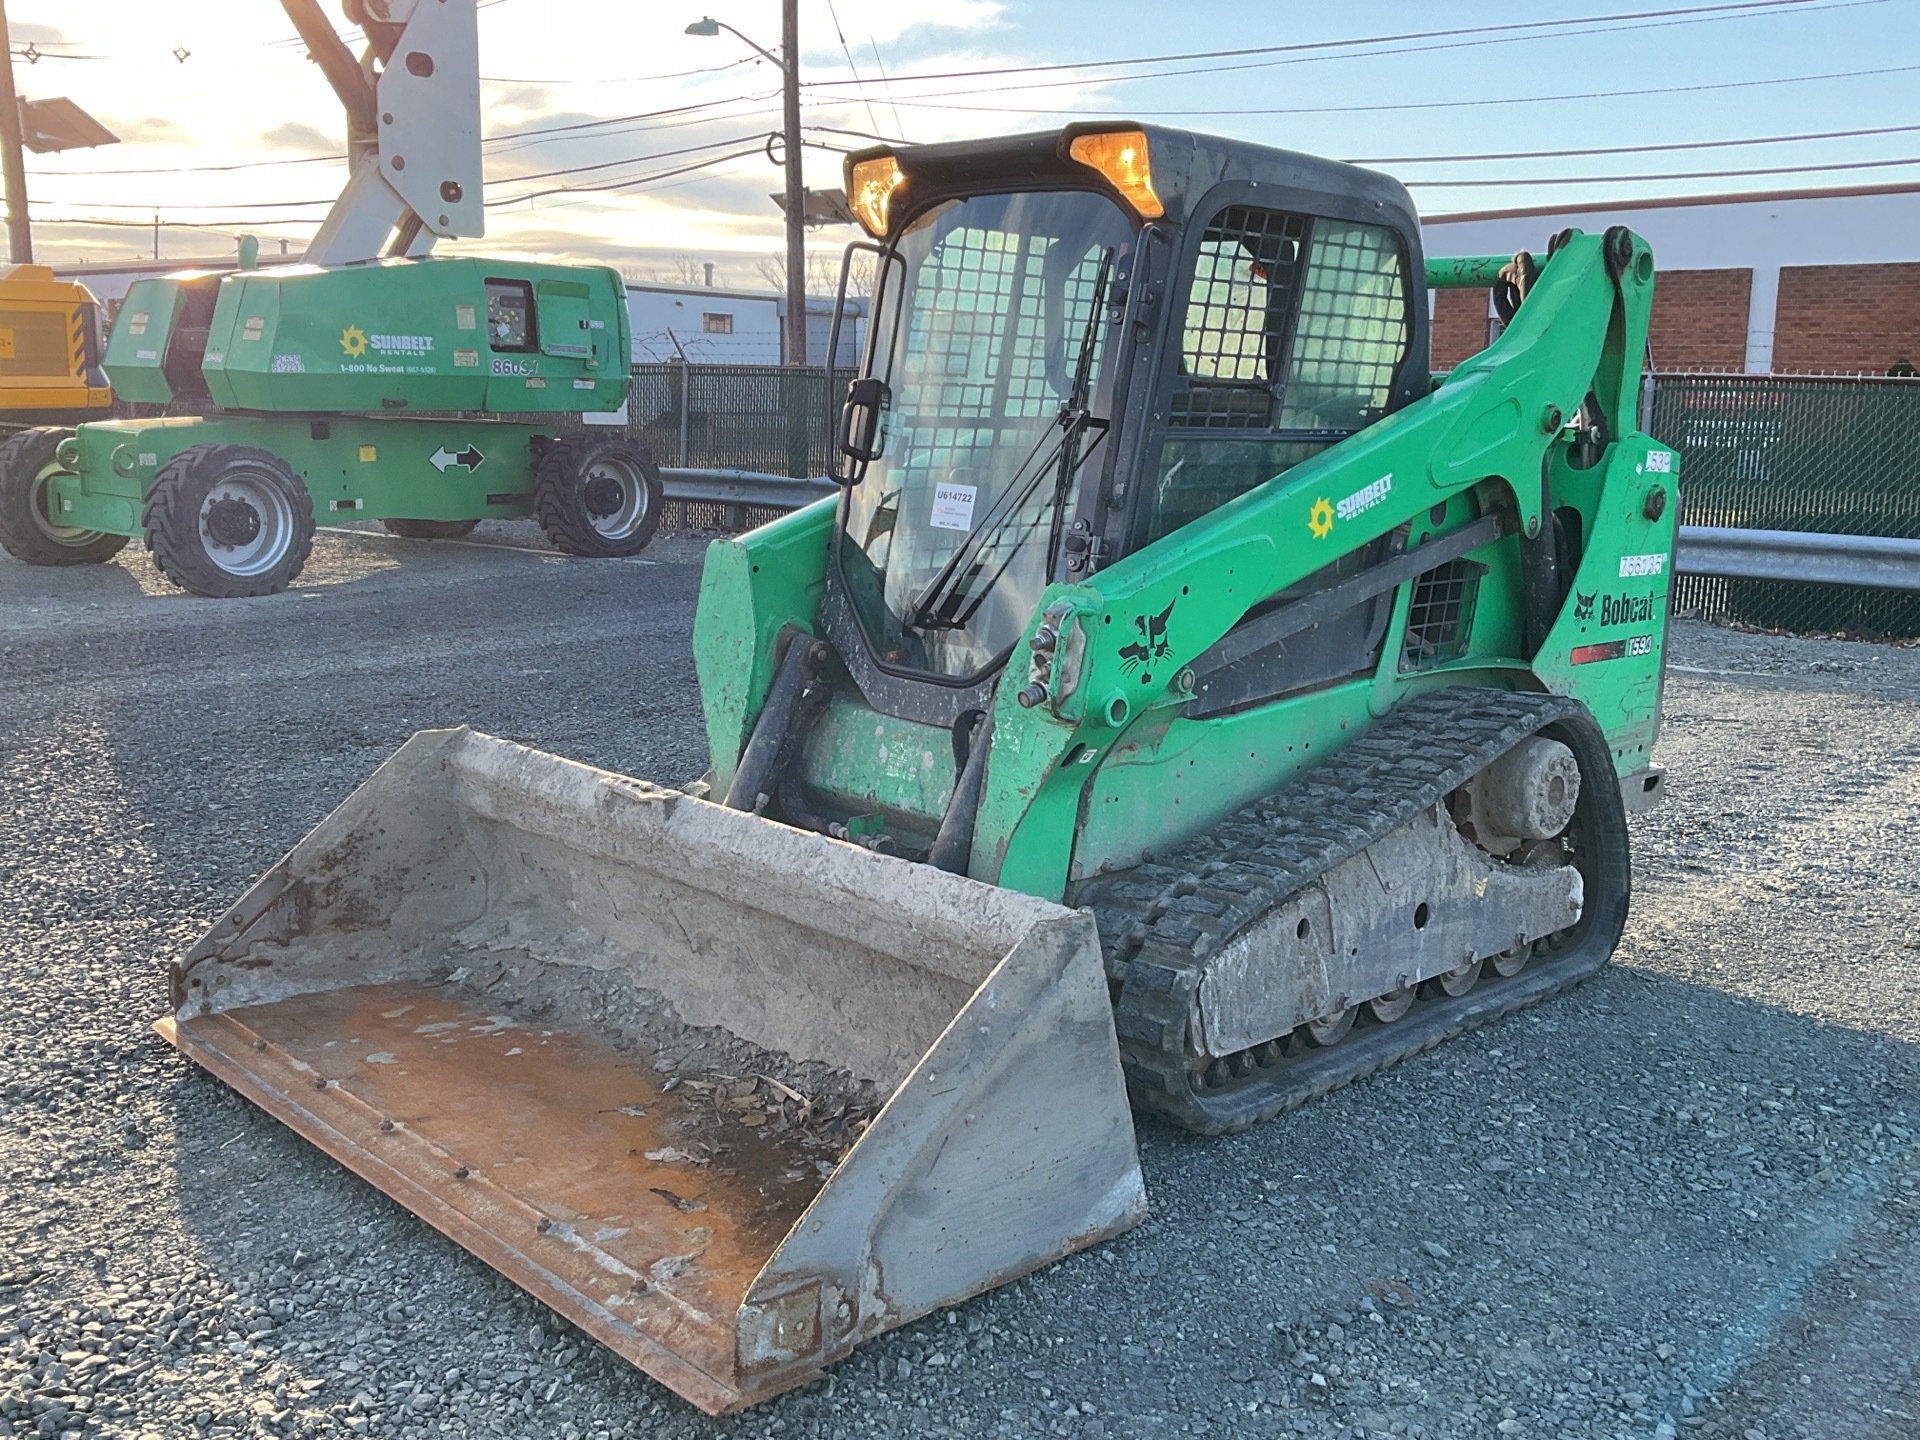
x: 1189, y: 701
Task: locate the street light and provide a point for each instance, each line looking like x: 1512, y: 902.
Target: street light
x: 707, y: 27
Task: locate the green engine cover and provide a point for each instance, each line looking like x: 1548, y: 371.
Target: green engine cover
x: 456, y: 333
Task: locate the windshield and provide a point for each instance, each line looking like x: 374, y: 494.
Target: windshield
x: 987, y: 317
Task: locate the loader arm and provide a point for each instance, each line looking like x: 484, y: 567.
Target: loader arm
x: 1486, y: 443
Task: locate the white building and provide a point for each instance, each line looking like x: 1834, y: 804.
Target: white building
x: 706, y: 325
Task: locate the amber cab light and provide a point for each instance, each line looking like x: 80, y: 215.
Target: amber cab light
x: 1121, y: 156
x: 870, y: 195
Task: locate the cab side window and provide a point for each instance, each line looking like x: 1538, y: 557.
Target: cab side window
x: 510, y: 328
x: 1352, y: 332
x: 1238, y: 304
x: 1295, y: 329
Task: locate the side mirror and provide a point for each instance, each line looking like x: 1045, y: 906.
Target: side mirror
x: 862, y: 433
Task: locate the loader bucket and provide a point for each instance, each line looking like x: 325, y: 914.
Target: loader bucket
x: 732, y: 1097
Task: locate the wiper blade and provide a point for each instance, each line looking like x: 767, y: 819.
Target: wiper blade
x: 940, y: 605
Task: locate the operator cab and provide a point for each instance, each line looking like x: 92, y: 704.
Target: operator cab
x: 1080, y: 342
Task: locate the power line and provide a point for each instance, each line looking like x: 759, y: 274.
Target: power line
x: 149, y: 206
x: 1725, y: 10
x: 886, y: 84
x: 627, y: 80
x: 583, y: 130
x: 1639, y: 179
x: 1474, y: 104
x: 169, y: 224
x: 856, y: 134
x: 1825, y: 6
x: 634, y: 160
x: 1630, y: 149
x: 672, y: 110
x: 617, y: 186
x: 852, y: 68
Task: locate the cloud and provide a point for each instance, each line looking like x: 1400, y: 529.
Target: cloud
x: 151, y: 130
x: 886, y: 21
x: 304, y: 139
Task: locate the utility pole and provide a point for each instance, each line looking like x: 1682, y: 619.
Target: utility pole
x: 794, y: 333
x: 796, y: 185
x: 13, y: 161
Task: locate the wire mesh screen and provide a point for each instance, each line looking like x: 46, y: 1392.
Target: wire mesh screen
x: 1830, y: 455
x: 1440, y: 614
x: 1237, y: 310
x: 1352, y: 331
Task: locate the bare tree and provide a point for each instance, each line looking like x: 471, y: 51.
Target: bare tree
x: 679, y: 270
x: 823, y: 273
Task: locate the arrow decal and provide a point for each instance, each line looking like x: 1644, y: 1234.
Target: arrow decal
x: 469, y: 458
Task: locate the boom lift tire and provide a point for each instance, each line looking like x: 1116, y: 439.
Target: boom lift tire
x: 597, y: 496
x: 430, y: 529
x: 27, y: 529
x: 228, y: 522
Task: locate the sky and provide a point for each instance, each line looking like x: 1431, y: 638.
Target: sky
x: 231, y: 128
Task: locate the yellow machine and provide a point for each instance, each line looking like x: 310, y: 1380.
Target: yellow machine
x: 50, y: 351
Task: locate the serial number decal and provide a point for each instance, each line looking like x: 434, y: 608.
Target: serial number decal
x: 1659, y: 462
x: 953, y: 506
x: 1633, y: 566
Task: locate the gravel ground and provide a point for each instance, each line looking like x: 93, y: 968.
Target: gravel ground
x: 1680, y: 1201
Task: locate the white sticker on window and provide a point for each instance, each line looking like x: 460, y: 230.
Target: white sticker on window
x: 953, y: 506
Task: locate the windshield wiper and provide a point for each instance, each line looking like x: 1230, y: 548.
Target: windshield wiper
x: 947, y: 605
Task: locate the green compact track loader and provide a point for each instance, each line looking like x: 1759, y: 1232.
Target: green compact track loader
x: 1189, y: 705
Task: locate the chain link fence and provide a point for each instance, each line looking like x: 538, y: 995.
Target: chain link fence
x: 1837, y: 456
x: 770, y: 418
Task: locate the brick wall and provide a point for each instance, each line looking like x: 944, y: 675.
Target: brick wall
x: 1849, y: 319
x: 1459, y: 326
x: 1700, y: 319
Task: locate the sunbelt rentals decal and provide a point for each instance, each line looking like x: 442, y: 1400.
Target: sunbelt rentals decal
x: 1325, y: 511
x: 382, y: 353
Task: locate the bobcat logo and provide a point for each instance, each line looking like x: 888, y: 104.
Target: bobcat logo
x: 1583, y: 606
x: 1153, y: 642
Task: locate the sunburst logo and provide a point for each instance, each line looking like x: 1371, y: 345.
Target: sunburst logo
x: 353, y: 340
x: 1320, y: 522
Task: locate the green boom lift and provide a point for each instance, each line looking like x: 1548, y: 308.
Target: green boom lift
x: 367, y: 382
x: 1189, y: 699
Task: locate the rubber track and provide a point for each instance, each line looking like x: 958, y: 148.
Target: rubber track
x: 1161, y: 921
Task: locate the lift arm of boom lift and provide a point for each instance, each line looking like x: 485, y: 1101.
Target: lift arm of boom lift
x: 413, y: 126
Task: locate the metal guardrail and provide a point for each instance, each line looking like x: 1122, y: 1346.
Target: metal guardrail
x: 1873, y: 561
x: 743, y: 487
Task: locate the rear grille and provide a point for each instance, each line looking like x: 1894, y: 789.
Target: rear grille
x: 1440, y: 617
x: 35, y: 343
